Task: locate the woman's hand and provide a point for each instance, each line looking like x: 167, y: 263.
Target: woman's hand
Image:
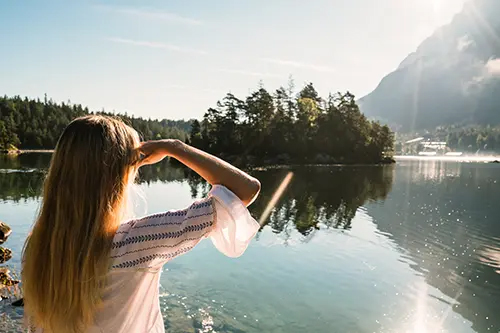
x: 155, y: 151
x: 214, y: 170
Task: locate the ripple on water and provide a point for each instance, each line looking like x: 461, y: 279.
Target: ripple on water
x: 188, y: 314
x: 11, y: 318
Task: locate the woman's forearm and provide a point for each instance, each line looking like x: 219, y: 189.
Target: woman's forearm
x: 214, y: 170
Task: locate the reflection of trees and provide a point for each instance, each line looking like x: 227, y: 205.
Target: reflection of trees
x: 22, y: 177
x: 449, y: 228
x: 322, y: 195
x: 20, y: 185
x: 24, y: 161
x: 161, y: 172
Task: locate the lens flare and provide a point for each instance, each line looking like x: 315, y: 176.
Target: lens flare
x: 276, y: 196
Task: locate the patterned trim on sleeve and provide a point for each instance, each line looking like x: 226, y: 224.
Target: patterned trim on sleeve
x: 177, y: 213
x: 162, y: 246
x: 155, y: 239
x: 143, y: 260
x: 171, y: 222
x: 214, y: 211
x: 163, y: 235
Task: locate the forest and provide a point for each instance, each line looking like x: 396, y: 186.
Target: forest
x: 467, y: 139
x: 283, y: 127
x: 263, y: 128
x: 34, y: 124
x: 472, y: 138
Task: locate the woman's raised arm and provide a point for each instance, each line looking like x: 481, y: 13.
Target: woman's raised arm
x: 213, y: 169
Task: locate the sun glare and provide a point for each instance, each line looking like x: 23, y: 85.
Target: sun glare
x: 435, y: 9
x: 437, y: 6
x: 427, y: 320
x: 440, y: 11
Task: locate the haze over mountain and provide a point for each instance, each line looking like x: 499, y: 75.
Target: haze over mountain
x: 453, y: 78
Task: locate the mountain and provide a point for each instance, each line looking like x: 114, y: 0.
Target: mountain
x: 453, y: 78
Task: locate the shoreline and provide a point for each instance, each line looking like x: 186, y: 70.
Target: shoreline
x: 15, y: 152
x: 463, y: 158
x: 292, y: 166
x: 390, y: 161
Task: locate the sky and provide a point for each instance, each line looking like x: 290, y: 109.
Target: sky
x: 175, y: 59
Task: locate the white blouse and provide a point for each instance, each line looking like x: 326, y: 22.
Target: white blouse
x: 142, y: 246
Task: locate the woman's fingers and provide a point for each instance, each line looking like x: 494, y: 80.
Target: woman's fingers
x: 150, y: 153
x: 152, y: 159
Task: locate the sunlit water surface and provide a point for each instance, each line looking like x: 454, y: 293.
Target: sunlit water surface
x: 408, y: 248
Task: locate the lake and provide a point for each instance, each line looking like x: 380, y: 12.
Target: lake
x: 413, y: 247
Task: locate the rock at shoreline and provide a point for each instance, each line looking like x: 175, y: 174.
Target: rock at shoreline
x: 5, y: 232
x: 5, y: 255
x: 6, y: 280
x: 19, y: 302
x: 9, y: 286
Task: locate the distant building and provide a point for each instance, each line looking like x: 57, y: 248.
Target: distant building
x: 427, y: 147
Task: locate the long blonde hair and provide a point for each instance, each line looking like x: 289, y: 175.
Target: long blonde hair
x: 66, y: 256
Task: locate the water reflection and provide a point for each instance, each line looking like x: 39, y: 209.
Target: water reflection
x: 21, y: 178
x: 448, y: 226
x: 434, y: 170
x: 316, y: 197
x: 441, y: 216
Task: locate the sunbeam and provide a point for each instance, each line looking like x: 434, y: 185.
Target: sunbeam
x: 276, y: 196
x: 478, y: 18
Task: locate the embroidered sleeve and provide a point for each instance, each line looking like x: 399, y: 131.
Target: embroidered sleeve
x: 153, y: 240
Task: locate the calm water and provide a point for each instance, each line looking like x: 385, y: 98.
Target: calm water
x: 410, y: 248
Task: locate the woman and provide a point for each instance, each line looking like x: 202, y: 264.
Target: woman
x: 84, y: 268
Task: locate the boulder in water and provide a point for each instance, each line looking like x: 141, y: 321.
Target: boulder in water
x: 19, y: 302
x: 6, y: 280
x: 9, y: 288
x: 5, y: 255
x: 5, y: 232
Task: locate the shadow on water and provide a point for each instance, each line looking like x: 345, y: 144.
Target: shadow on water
x: 447, y: 224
